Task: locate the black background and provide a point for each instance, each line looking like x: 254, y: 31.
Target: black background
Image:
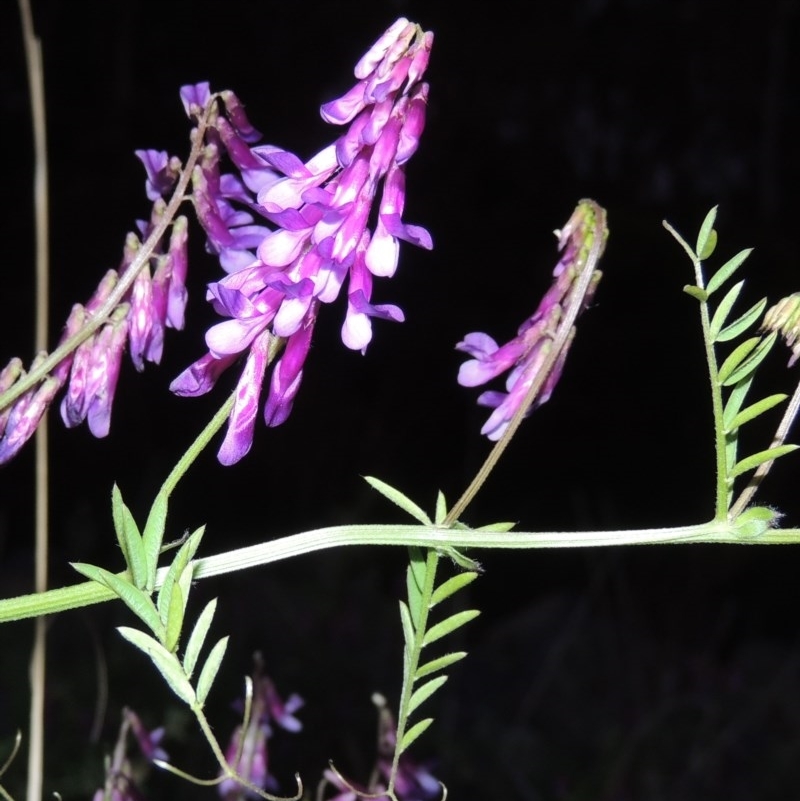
x: 629, y: 673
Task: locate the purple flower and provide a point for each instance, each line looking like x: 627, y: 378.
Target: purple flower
x: 251, y: 744
x: 412, y: 782
x: 319, y: 215
x: 152, y: 303
x: 526, y: 355
x: 119, y: 784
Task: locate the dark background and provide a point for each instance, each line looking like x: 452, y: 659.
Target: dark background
x: 658, y: 673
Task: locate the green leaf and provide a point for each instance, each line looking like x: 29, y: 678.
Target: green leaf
x: 724, y: 309
x: 451, y: 586
x: 500, y: 527
x: 736, y: 357
x: 415, y: 581
x: 750, y: 364
x: 153, y: 536
x: 697, y: 292
x: 180, y: 563
x: 138, y: 601
x: 707, y: 238
x: 210, y: 670
x: 735, y: 401
x: 756, y: 459
x: 424, y: 692
x: 129, y: 539
x: 441, y: 508
x: 755, y: 521
x: 174, y: 621
x: 166, y: 663
x: 413, y: 733
x: 408, y: 626
x: 448, y: 625
x: 754, y: 410
x: 727, y: 270
x: 439, y: 664
x: 198, y: 637
x: 741, y: 324
x: 397, y: 497
x: 460, y: 559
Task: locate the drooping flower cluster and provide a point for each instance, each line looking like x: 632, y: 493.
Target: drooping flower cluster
x: 526, y: 354
x: 321, y: 212
x: 120, y: 784
x: 412, y: 782
x: 137, y: 318
x: 250, y: 744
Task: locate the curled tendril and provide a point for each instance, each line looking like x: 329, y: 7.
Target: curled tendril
x: 5, y: 766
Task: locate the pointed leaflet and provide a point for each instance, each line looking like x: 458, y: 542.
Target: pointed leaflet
x: 153, y: 536
x: 210, y: 670
x: 129, y: 539
x: 451, y: 586
x: 696, y: 292
x: 441, y: 509
x: 166, y: 663
x: 736, y: 357
x: 413, y: 733
x: 408, y: 627
x: 439, y: 663
x: 397, y: 497
x: 198, y: 637
x: 735, y: 401
x: 176, y: 570
x: 742, y: 323
x: 749, y: 462
x: 707, y: 237
x: 724, y: 309
x: 174, y: 622
x: 449, y: 624
x: 138, y: 601
x: 751, y: 363
x: 423, y: 692
x: 415, y: 583
x: 754, y: 410
x: 727, y: 270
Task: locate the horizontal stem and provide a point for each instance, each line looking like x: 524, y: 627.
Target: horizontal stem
x: 88, y: 593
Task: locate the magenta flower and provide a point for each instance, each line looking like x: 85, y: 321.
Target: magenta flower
x: 319, y: 211
x: 138, y: 320
x: 526, y: 355
x: 251, y: 743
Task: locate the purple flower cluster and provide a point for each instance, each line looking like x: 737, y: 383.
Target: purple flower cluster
x: 412, y: 782
x: 321, y: 232
x: 153, y: 302
x: 250, y: 744
x: 525, y: 355
x: 119, y: 784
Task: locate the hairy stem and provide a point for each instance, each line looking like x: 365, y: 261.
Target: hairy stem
x: 88, y: 593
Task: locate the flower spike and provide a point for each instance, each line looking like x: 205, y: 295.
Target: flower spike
x: 314, y: 231
x: 530, y: 352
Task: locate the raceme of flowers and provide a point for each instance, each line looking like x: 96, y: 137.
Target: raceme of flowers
x: 320, y: 211
x: 525, y: 355
x: 154, y: 302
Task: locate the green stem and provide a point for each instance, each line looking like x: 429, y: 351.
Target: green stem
x: 720, y: 444
x: 410, y: 667
x: 197, y: 447
x: 88, y: 593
